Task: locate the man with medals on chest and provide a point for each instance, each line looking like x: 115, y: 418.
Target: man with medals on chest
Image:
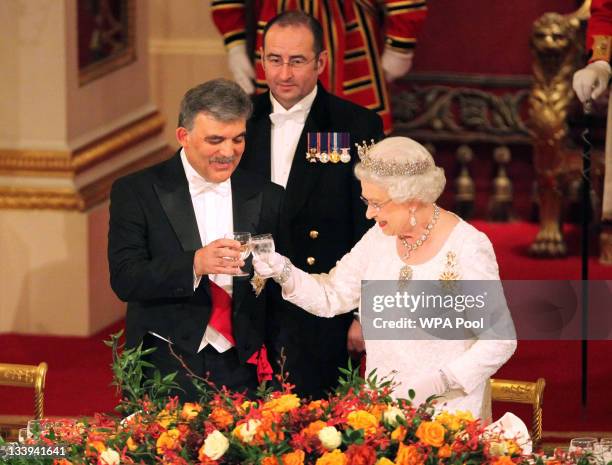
x: 303, y: 138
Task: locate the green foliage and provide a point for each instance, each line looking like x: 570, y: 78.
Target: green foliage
x: 129, y: 366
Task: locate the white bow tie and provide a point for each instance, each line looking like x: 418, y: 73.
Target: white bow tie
x: 279, y: 118
x: 198, y: 185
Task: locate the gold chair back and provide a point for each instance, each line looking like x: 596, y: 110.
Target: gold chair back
x: 32, y: 376
x: 523, y: 392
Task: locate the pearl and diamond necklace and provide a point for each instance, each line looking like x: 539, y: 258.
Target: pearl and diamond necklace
x: 406, y: 271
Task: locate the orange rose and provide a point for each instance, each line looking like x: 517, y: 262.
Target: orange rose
x: 313, y: 428
x: 221, y: 418
x: 334, y: 457
x: 190, y: 411
x: 283, y: 403
x: 360, y: 419
x: 445, y: 451
x: 398, y: 434
x: 268, y: 429
x: 431, y: 433
x: 502, y: 460
x: 269, y: 460
x: 168, y: 440
x: 294, y: 458
x: 62, y: 462
x: 360, y: 455
x: 377, y: 411
x: 408, y: 455
x: 93, y: 448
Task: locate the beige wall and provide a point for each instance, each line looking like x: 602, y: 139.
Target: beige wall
x: 186, y: 49
x: 33, y: 64
x: 54, y: 273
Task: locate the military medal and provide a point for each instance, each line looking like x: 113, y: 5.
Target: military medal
x: 345, y: 156
x: 323, y: 156
x: 334, y: 156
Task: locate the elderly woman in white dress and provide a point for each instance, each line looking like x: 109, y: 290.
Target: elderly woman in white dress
x: 414, y: 239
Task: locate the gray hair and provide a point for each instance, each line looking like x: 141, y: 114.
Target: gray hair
x: 222, y: 99
x: 425, y: 185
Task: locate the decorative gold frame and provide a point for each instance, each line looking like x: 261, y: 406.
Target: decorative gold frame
x: 117, y: 59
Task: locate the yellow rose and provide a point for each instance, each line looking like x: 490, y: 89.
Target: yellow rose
x: 164, y: 418
x: 131, y: 444
x: 330, y: 437
x: 190, y: 411
x: 360, y: 419
x: 110, y: 457
x: 294, y: 458
x: 384, y: 461
x: 283, y: 404
x: 408, y: 455
x: 392, y: 414
x: 246, y: 431
x: 455, y: 421
x: 513, y: 448
x: 431, y: 433
x: 215, y: 445
x: 332, y: 458
x: 168, y: 440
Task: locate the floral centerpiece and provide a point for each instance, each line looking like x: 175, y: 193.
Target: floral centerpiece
x: 361, y: 424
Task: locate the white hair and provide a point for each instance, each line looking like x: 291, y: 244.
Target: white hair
x: 425, y: 186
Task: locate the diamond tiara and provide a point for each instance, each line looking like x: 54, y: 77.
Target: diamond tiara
x: 389, y: 168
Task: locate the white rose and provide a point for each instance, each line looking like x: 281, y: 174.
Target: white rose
x: 330, y: 437
x: 215, y: 445
x: 110, y: 457
x: 247, y: 430
x: 392, y: 414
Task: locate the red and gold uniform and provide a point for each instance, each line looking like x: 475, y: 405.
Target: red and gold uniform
x: 352, y: 37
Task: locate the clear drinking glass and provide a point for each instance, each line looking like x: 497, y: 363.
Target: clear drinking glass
x: 262, y: 246
x: 605, y: 450
x: 245, y: 247
x: 582, y: 446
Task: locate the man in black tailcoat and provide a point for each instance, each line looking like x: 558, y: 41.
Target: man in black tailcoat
x: 298, y: 137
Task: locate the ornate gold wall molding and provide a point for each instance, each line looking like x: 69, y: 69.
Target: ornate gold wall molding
x: 53, y: 164
x: 67, y: 164
x: 69, y: 199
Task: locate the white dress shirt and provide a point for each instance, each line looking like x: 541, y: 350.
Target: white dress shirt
x: 212, y: 203
x: 287, y: 126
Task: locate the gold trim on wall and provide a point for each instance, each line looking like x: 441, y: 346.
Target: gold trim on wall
x: 67, y: 164
x: 30, y: 198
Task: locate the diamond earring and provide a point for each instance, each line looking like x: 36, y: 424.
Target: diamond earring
x: 412, y: 220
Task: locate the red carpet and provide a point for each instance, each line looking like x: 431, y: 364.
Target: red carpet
x: 79, y: 374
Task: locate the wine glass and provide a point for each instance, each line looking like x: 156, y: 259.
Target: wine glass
x: 583, y: 446
x: 262, y: 245
x: 605, y: 450
x: 245, y: 247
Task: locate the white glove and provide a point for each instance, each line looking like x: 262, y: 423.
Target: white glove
x: 270, y: 267
x: 426, y: 386
x: 395, y: 64
x: 241, y: 67
x: 592, y: 80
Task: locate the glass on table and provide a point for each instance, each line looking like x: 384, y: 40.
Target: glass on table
x: 583, y: 446
x: 262, y: 246
x: 605, y: 450
x: 245, y: 247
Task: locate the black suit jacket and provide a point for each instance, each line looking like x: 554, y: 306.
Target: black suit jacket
x: 153, y: 237
x: 322, y: 199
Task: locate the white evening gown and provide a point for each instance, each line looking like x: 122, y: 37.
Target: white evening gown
x: 467, y: 254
